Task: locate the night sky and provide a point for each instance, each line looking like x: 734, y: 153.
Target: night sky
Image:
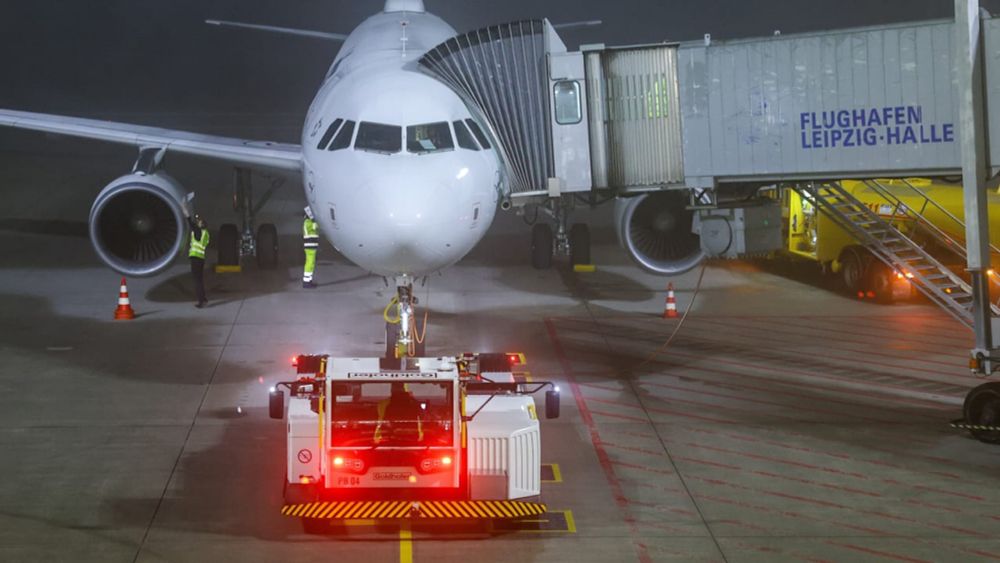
x: 132, y: 56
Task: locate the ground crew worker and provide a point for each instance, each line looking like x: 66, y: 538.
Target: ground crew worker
x: 196, y: 254
x: 310, y: 242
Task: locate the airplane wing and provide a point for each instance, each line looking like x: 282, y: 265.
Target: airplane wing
x: 264, y: 154
x: 275, y: 29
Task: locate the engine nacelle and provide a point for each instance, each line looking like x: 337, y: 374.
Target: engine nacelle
x: 656, y: 230
x: 137, y: 223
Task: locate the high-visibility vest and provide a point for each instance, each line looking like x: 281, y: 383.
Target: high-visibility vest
x: 198, y: 247
x: 382, y: 406
x: 310, y: 234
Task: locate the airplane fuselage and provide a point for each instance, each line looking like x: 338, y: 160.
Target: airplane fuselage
x: 388, y: 166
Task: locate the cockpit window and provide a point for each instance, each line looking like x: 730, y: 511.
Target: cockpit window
x: 330, y: 131
x: 480, y: 136
x: 463, y: 137
x: 379, y: 137
x: 343, y: 139
x: 429, y: 137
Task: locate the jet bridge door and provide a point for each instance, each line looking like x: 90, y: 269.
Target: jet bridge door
x: 530, y: 95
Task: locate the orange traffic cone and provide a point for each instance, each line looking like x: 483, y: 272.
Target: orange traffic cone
x: 670, y: 307
x: 124, y: 311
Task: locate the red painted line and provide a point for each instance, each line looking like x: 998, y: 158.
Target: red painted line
x: 877, y: 553
x: 857, y: 358
x: 759, y: 457
x: 814, y: 483
x: 879, y: 340
x: 635, y: 449
x: 890, y: 396
x: 602, y: 387
x: 792, y: 514
x: 932, y: 505
x: 706, y: 462
x: 844, y: 457
x: 798, y: 385
x: 620, y: 416
x: 602, y: 455
x: 672, y: 412
x: 771, y: 390
x: 790, y: 406
x: 642, y: 468
x: 663, y: 508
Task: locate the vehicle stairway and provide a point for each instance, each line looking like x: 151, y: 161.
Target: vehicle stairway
x: 895, y: 248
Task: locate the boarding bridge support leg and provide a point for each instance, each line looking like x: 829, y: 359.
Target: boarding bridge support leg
x: 972, y: 136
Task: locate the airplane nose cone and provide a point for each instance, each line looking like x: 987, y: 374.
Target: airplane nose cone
x: 411, y: 217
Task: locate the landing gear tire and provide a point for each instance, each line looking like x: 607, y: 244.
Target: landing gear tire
x: 852, y: 270
x: 982, y: 407
x: 579, y: 244
x: 229, y: 245
x: 880, y: 282
x: 541, y: 246
x: 267, y: 247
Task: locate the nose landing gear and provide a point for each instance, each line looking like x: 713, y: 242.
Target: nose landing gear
x: 401, y: 335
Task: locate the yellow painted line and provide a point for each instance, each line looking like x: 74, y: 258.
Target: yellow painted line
x: 220, y: 269
x: 584, y: 268
x: 405, y: 543
x: 570, y: 523
x: 556, y: 474
x: 359, y: 522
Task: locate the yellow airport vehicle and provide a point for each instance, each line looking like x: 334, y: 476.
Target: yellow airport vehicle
x: 914, y: 206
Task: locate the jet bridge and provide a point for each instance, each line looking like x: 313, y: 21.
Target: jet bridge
x: 717, y: 120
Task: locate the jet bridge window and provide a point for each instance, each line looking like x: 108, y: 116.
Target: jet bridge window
x: 478, y: 132
x: 379, y: 137
x: 429, y: 137
x: 343, y: 139
x: 330, y: 131
x: 463, y: 137
x: 566, y: 98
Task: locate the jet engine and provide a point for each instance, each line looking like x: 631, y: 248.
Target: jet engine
x: 656, y: 230
x: 137, y: 223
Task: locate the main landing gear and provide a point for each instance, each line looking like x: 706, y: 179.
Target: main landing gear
x: 402, y: 337
x: 573, y: 242
x: 234, y: 243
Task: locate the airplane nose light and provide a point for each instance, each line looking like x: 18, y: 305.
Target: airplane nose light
x: 462, y: 173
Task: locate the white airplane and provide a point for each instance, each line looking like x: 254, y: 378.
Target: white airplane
x: 399, y: 175
x: 400, y: 178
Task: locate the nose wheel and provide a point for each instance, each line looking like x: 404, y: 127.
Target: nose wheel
x: 402, y: 336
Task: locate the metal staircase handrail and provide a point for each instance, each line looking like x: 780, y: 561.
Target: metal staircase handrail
x: 880, y: 249
x: 954, y: 244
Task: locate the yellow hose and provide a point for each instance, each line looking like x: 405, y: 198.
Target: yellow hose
x: 385, y: 312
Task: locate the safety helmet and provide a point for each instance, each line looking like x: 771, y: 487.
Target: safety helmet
x: 309, y: 212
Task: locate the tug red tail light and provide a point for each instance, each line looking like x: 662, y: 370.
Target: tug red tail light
x: 347, y: 463
x: 435, y: 464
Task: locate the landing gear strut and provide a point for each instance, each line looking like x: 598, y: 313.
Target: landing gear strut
x: 235, y: 243
x: 401, y: 335
x: 572, y: 241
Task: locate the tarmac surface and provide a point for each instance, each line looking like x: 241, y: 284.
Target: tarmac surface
x: 783, y: 421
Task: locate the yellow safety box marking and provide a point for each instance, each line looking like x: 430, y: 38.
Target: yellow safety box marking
x: 584, y: 268
x: 551, y: 473
x: 220, y: 269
